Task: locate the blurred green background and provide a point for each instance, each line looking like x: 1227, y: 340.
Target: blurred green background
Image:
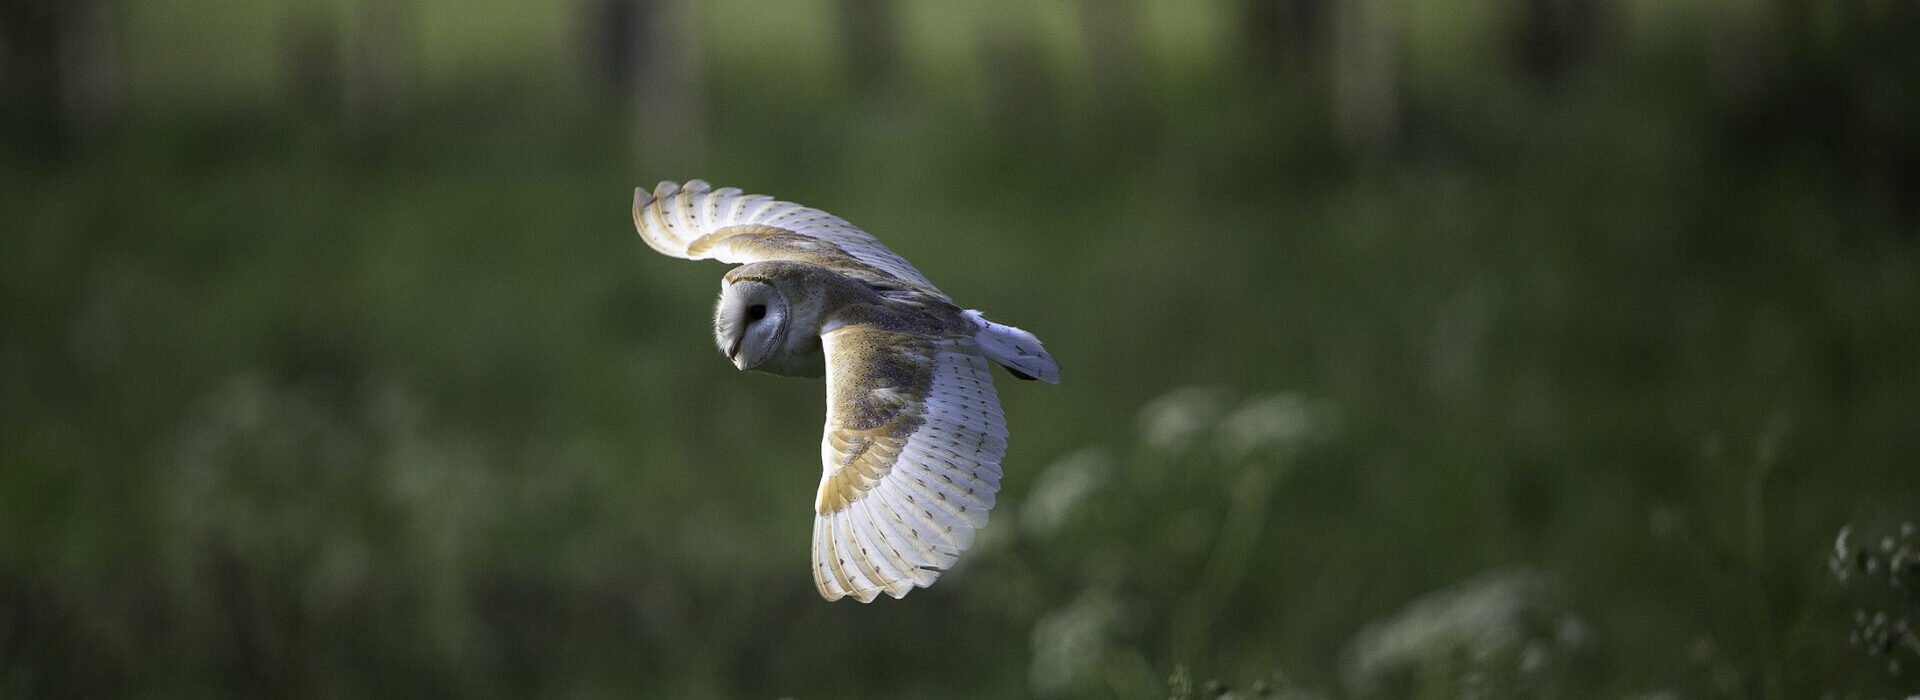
x: 1528, y: 348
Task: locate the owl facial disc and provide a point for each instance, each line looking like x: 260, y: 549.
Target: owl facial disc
x: 750, y: 322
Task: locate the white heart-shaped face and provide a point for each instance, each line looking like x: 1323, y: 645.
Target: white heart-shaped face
x: 750, y: 322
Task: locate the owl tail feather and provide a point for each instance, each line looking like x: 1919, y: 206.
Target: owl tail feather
x: 1019, y: 351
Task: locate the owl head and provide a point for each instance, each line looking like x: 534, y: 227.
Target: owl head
x: 750, y: 323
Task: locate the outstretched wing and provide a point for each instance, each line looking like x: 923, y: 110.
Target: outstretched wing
x: 697, y: 222
x: 911, y: 459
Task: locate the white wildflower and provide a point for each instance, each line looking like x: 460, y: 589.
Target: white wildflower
x: 1275, y: 421
x: 1173, y: 421
x: 1061, y: 487
x: 1070, y: 644
x: 1479, y: 621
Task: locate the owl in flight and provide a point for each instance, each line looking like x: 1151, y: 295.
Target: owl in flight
x: 911, y: 456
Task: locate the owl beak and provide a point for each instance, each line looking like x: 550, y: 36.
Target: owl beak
x: 733, y: 352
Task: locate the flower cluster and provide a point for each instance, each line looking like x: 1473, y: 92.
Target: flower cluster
x: 1504, y: 633
x: 1883, y: 625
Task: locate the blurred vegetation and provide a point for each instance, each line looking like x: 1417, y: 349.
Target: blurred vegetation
x: 1528, y: 348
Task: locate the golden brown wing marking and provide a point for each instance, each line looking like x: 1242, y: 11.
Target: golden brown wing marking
x: 763, y: 242
x: 874, y: 405
x: 910, y: 459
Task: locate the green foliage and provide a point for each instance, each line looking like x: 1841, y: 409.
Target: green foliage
x: 1436, y: 361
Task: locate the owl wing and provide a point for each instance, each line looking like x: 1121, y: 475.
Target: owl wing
x: 911, y: 459
x: 696, y: 222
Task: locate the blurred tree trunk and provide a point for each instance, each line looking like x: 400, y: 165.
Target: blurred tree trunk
x: 1366, y: 74
x: 1283, y: 37
x: 1337, y: 60
x: 30, y: 93
x: 383, y: 62
x: 92, y: 85
x: 60, y: 73
x: 1554, y: 37
x: 1112, y: 31
x: 310, y: 64
x: 612, y: 34
x: 870, y: 43
x: 1018, y: 101
x: 644, y: 53
x: 1838, y: 90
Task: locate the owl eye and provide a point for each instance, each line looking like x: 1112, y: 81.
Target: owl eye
x: 756, y: 312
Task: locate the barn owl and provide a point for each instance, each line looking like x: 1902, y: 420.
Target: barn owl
x: 914, y: 435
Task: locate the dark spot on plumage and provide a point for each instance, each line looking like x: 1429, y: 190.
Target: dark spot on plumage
x: 856, y: 446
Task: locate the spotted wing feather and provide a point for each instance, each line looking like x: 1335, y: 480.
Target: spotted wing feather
x: 697, y: 222
x: 910, y: 456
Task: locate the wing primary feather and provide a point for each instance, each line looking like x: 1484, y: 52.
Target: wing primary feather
x: 823, y: 553
x: 931, y: 553
x: 951, y: 456
x: 918, y: 516
x: 944, y: 466
x: 857, y: 548
x: 754, y: 206
x: 962, y: 488
x: 837, y: 564
x: 837, y: 560
x: 730, y: 212
x: 889, y: 564
x: 683, y: 211
x: 961, y: 482
x: 851, y: 576
x: 949, y: 519
x: 710, y: 207
x: 915, y: 556
x: 678, y: 215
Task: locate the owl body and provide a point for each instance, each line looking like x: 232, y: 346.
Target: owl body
x: 819, y: 300
x: 914, y: 434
